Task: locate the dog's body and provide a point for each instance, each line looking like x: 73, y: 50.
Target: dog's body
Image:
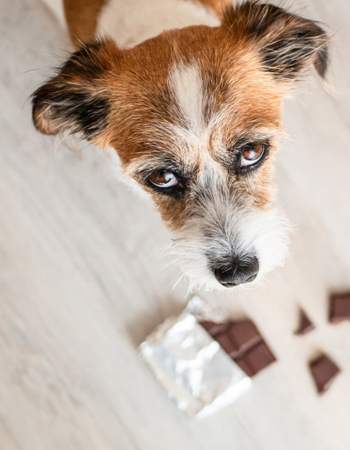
x: 131, y: 22
x: 189, y: 94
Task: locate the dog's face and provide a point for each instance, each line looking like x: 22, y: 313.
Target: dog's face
x: 194, y: 115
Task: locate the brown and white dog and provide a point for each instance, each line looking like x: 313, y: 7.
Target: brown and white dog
x: 189, y: 94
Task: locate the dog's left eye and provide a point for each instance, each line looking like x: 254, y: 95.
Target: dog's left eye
x: 163, y: 179
x: 251, y: 154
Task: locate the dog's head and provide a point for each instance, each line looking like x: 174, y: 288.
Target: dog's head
x: 195, y: 116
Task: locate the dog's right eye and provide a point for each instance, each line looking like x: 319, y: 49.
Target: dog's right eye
x: 163, y: 179
x: 251, y: 154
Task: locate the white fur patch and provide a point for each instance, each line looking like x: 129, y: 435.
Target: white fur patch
x: 186, y: 84
x: 261, y: 232
x: 130, y: 22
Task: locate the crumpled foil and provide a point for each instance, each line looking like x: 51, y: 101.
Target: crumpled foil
x: 197, y: 374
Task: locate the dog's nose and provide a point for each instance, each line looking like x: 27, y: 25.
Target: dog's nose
x: 239, y: 272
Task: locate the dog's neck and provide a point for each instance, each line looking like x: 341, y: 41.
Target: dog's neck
x: 131, y: 22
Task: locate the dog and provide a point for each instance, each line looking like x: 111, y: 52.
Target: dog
x: 189, y: 94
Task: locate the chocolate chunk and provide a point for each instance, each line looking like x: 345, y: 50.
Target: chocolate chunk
x: 214, y: 328
x: 340, y: 308
x: 226, y: 343
x: 243, y: 342
x: 258, y: 358
x: 243, y: 364
x: 305, y: 324
x: 324, y: 372
x: 244, y: 334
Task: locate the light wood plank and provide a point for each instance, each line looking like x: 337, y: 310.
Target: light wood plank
x: 82, y: 282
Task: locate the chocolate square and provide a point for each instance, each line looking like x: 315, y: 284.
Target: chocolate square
x: 243, y: 342
x: 305, y: 324
x: 243, y: 364
x: 324, y: 372
x: 244, y: 334
x: 227, y: 344
x: 258, y: 358
x: 340, y: 308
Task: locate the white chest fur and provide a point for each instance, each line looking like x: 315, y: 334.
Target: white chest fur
x: 131, y: 22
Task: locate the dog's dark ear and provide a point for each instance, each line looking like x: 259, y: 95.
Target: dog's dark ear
x: 77, y: 99
x: 286, y: 43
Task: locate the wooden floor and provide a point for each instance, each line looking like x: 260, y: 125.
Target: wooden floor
x: 82, y: 277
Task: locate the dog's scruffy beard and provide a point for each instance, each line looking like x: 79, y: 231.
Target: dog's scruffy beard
x: 220, y: 228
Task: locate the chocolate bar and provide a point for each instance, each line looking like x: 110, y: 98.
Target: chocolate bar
x: 340, y: 308
x: 324, y: 371
x: 197, y: 374
x: 305, y: 324
x: 243, y: 342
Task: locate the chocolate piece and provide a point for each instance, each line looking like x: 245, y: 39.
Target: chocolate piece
x: 224, y: 339
x: 243, y: 364
x: 305, y: 324
x: 210, y: 327
x: 213, y: 328
x: 243, y: 342
x: 324, y: 372
x: 340, y: 308
x: 244, y: 334
x: 258, y: 358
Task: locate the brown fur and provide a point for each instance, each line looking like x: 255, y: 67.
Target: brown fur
x: 82, y: 17
x: 254, y: 98
x: 217, y: 5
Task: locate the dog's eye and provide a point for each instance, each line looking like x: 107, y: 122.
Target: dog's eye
x: 251, y: 154
x: 163, y: 179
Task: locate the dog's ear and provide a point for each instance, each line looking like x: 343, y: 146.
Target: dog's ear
x: 287, y: 43
x: 78, y: 98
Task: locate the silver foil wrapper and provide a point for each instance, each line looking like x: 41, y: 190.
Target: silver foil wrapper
x: 197, y: 374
